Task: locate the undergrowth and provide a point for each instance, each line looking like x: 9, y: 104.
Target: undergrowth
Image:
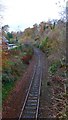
x: 13, y: 67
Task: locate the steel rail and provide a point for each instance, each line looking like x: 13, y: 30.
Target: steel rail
x: 35, y: 84
x: 39, y: 93
x: 27, y: 93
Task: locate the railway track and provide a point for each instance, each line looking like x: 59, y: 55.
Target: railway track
x: 30, y: 107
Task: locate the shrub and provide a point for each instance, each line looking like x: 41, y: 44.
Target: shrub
x: 27, y: 54
x: 6, y: 78
x: 26, y: 58
x: 54, y: 66
x: 6, y: 89
x: 43, y: 44
x: 13, y: 67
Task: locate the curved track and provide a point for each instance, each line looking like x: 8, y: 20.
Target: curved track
x: 30, y: 107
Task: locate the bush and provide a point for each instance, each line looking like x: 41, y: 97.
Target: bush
x: 6, y: 78
x: 43, y: 44
x: 27, y: 54
x: 6, y: 88
x: 26, y: 58
x: 54, y: 66
x: 13, y: 66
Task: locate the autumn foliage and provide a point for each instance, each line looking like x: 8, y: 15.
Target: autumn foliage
x: 26, y: 58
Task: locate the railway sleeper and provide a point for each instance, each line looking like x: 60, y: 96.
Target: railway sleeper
x: 31, y: 104
x: 28, y: 116
x: 33, y: 97
x: 30, y: 108
x: 32, y: 100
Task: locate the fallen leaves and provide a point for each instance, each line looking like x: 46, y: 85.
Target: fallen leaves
x: 59, y: 100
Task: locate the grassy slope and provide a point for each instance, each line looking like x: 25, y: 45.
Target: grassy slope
x: 13, y: 68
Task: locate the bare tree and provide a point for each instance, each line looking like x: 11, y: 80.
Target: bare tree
x: 5, y: 28
x: 1, y: 14
x: 2, y: 7
x: 62, y: 13
x: 0, y: 64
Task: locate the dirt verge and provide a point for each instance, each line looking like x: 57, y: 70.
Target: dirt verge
x: 12, y: 105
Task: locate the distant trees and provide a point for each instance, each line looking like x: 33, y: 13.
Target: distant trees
x: 62, y: 13
x: 9, y: 35
x: 5, y: 28
x: 2, y: 7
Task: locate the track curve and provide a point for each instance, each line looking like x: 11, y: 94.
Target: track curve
x: 30, y: 107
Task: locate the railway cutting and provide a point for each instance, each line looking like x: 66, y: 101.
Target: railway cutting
x: 30, y: 107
